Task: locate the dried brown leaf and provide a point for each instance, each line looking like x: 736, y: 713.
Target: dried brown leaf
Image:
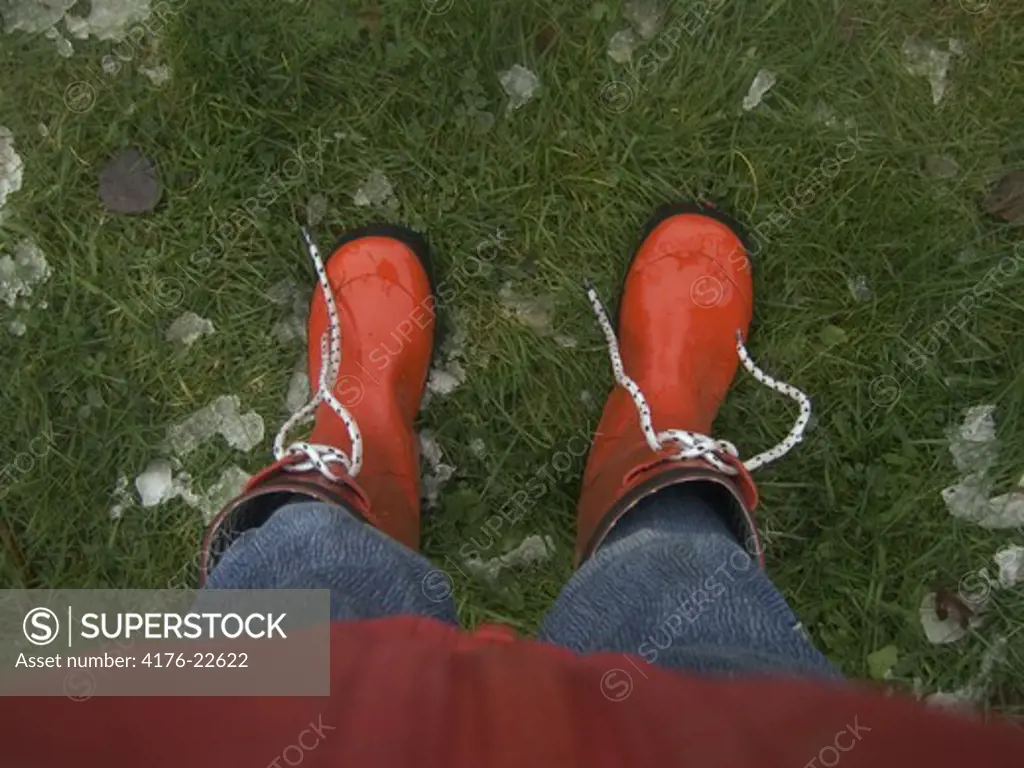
x: 1006, y: 200
x: 129, y: 183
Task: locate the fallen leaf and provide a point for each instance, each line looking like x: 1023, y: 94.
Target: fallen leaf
x: 941, y: 167
x: 532, y: 549
x: 316, y: 209
x: 1006, y: 200
x: 881, y: 662
x: 376, y: 189
x: 922, y: 59
x: 520, y: 84
x: 188, y: 328
x: 369, y: 18
x: 763, y: 82
x: 847, y: 25
x: 949, y: 605
x: 622, y: 45
x: 859, y: 288
x: 1011, y: 565
x: 547, y: 38
x: 832, y: 335
x: 645, y: 16
x: 129, y: 183
x: 938, y: 623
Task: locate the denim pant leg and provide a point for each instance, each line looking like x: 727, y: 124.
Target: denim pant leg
x: 672, y: 585
x: 312, y: 545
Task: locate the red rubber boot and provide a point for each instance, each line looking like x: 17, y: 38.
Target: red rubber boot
x: 686, y: 308
x: 363, y: 452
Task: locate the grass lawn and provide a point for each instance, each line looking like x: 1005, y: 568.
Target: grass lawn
x: 283, y: 101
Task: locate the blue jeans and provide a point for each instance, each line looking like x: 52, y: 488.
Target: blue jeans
x: 670, y: 584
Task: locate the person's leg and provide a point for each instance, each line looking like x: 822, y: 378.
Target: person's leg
x: 308, y: 544
x: 673, y: 585
x: 664, y: 506
x: 340, y: 510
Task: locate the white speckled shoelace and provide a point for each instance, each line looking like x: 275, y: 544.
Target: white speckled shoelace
x: 321, y: 457
x: 693, y: 445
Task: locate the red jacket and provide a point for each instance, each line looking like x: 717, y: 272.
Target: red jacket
x: 414, y: 692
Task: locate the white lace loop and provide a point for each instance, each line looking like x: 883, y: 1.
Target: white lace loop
x: 323, y: 457
x: 693, y: 445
